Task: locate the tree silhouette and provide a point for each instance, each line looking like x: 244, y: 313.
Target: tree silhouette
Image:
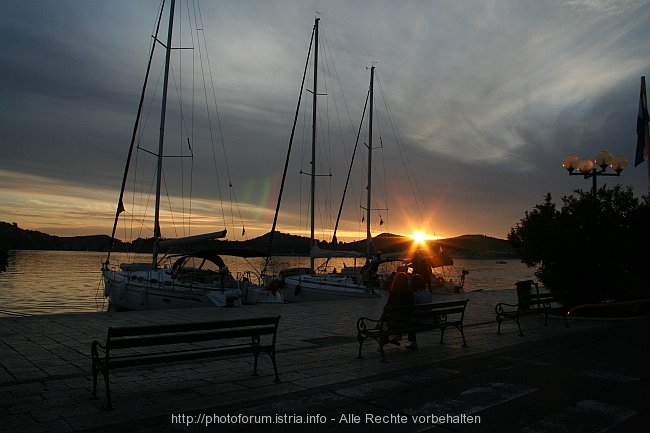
x: 594, y: 248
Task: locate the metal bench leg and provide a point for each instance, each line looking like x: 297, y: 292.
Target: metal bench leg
x: 109, y: 404
x: 256, y: 355
x: 462, y: 334
x: 95, y: 373
x: 361, y: 340
x: 275, y: 367
x: 521, y: 333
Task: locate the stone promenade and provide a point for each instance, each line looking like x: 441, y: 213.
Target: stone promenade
x: 506, y: 383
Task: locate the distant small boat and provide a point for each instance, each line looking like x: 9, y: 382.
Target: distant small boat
x: 501, y: 262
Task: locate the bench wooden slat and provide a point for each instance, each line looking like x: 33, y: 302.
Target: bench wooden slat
x: 166, y: 357
x: 431, y: 306
x: 124, y: 331
x: 425, y: 310
x: 173, y: 338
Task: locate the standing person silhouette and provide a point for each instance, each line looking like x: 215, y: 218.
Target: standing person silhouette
x: 422, y: 265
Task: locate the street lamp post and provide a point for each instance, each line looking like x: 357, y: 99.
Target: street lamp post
x: 589, y: 168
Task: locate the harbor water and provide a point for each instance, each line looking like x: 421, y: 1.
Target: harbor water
x: 48, y: 282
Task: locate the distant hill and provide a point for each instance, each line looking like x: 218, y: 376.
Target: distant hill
x: 468, y: 246
x: 477, y: 246
x: 13, y: 237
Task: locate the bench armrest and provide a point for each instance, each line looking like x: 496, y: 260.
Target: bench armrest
x: 499, y: 307
x: 94, y: 349
x: 364, y: 323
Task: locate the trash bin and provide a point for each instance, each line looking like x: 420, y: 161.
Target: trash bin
x: 524, y: 287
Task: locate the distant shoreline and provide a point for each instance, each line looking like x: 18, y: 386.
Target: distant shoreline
x: 13, y: 237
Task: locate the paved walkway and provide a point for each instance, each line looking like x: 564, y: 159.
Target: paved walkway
x: 45, y: 378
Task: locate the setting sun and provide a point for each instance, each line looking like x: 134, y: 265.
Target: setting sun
x: 420, y: 237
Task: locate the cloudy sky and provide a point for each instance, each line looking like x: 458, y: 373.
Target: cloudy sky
x: 485, y: 97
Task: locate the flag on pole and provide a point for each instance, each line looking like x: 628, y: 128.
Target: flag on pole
x: 643, y: 138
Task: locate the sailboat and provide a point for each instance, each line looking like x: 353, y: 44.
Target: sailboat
x: 183, y: 272
x: 305, y: 284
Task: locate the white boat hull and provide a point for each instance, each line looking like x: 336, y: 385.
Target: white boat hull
x: 156, y: 290
x: 324, y: 288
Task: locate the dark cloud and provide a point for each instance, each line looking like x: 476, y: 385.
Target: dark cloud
x: 487, y: 98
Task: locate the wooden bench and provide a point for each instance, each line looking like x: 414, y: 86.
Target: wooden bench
x: 133, y: 346
x: 530, y: 303
x: 396, y: 321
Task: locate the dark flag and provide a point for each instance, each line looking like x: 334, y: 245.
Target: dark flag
x: 643, y: 139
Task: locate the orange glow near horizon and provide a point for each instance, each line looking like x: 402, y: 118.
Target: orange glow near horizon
x: 421, y: 237
x: 68, y: 209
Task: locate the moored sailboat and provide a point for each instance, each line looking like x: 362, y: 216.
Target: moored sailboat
x: 306, y: 284
x: 186, y: 271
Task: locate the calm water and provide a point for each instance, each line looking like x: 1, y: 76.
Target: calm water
x: 44, y: 282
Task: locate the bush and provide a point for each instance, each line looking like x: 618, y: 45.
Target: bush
x: 594, y: 248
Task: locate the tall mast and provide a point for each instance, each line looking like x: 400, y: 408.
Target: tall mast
x: 120, y: 203
x: 369, y: 187
x: 161, y: 138
x: 286, y: 161
x: 313, y: 145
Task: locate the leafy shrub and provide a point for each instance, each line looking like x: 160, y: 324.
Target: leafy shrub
x: 593, y: 248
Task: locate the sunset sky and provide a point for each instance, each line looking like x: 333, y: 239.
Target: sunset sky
x: 487, y: 98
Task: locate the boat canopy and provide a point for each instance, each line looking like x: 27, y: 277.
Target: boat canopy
x: 211, y: 256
